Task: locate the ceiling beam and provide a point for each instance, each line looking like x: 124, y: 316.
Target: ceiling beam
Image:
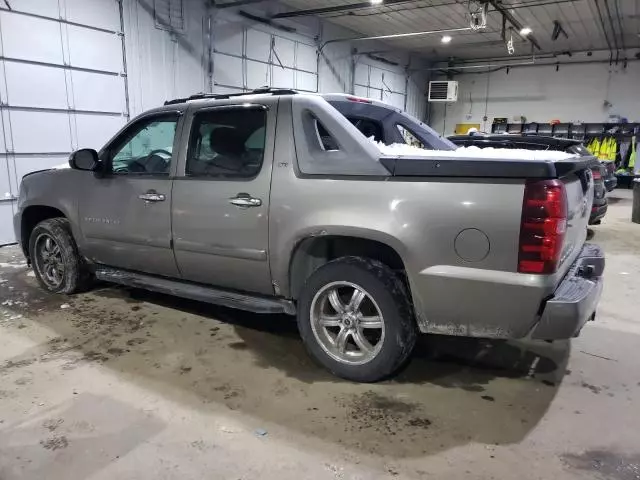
x: 236, y: 3
x: 513, y: 21
x: 338, y: 8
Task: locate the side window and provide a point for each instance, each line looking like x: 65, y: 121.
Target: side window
x: 409, y: 138
x: 327, y: 142
x: 369, y: 128
x: 227, y: 143
x: 146, y: 148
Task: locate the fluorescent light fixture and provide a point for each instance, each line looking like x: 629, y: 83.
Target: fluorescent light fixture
x: 525, y: 31
x: 376, y: 2
x: 446, y: 39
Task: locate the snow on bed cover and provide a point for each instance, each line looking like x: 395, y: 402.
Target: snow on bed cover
x: 401, y: 149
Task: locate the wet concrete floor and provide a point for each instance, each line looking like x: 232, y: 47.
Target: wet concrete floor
x: 120, y: 383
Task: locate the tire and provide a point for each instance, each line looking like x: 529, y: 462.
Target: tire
x: 71, y: 270
x: 321, y: 325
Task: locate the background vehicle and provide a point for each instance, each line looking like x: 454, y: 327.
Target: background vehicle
x: 535, y: 142
x: 275, y: 202
x: 610, y: 180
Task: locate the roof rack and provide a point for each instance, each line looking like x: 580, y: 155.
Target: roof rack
x: 223, y: 96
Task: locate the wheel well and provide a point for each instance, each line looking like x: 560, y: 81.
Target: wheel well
x: 314, y: 252
x: 30, y: 218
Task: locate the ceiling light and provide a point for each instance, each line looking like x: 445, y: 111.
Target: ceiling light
x: 525, y: 31
x: 446, y: 39
x: 376, y: 2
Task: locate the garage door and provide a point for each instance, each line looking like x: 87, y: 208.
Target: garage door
x: 381, y: 84
x: 246, y: 58
x: 62, y: 86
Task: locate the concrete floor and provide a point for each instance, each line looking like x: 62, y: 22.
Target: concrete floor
x: 127, y: 384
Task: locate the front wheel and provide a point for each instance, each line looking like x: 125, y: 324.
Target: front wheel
x: 355, y: 318
x: 58, y: 266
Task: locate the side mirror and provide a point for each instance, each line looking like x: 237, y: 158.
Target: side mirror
x: 84, y: 159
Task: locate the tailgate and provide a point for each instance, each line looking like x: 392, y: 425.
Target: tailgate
x: 580, y: 190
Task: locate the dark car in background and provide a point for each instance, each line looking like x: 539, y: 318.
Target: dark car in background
x: 601, y: 175
x: 610, y: 180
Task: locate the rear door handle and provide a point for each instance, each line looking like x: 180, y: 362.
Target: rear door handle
x: 245, y: 200
x: 152, y: 196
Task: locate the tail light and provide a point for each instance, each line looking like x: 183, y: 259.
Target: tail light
x: 543, y: 226
x: 359, y: 100
x: 597, y: 174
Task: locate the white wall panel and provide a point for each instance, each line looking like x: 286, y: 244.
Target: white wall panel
x: 395, y: 99
x: 46, y: 8
x: 361, y: 91
x: 40, y: 131
x: 6, y: 220
x: 101, y: 14
x: 5, y: 185
x: 227, y: 70
x: 97, y: 92
x: 257, y: 74
x: 2, y: 129
x: 306, y: 58
x: 4, y: 124
x: 35, y: 86
x: 162, y: 65
x: 286, y: 51
x: 394, y: 82
x: 30, y: 38
x: 93, y: 131
x: 375, y: 93
x: 258, y: 45
x: 221, y: 89
x: 283, y: 78
x: 95, y: 50
x: 24, y: 165
x: 228, y: 38
x: 362, y: 74
x: 375, y: 77
x: 306, y: 81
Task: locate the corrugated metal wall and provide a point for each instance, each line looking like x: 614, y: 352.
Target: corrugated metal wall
x: 73, y: 71
x: 245, y: 54
x: 62, y: 86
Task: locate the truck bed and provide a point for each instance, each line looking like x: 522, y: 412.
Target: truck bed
x: 459, y: 167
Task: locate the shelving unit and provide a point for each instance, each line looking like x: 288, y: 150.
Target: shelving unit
x: 576, y: 131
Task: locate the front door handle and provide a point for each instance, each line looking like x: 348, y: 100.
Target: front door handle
x: 152, y: 196
x: 245, y: 200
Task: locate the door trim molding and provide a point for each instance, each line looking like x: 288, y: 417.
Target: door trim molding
x: 220, y: 250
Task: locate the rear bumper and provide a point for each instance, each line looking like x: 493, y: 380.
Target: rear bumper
x: 472, y: 302
x: 574, y: 301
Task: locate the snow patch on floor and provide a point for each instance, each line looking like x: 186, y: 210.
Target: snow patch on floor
x: 13, y: 265
x: 401, y: 149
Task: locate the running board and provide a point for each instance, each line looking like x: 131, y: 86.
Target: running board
x: 194, y: 291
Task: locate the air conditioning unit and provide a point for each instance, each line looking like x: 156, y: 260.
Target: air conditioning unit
x: 443, y: 91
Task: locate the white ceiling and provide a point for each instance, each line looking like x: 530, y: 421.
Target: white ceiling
x: 579, y: 18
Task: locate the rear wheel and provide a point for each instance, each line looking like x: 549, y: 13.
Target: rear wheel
x: 355, y: 319
x: 56, y: 263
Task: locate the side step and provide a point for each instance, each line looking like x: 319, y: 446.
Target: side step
x: 194, y: 291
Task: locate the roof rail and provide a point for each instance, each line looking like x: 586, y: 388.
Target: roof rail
x: 223, y: 96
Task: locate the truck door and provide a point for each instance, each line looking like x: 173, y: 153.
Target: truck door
x: 221, y: 197
x: 125, y: 214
